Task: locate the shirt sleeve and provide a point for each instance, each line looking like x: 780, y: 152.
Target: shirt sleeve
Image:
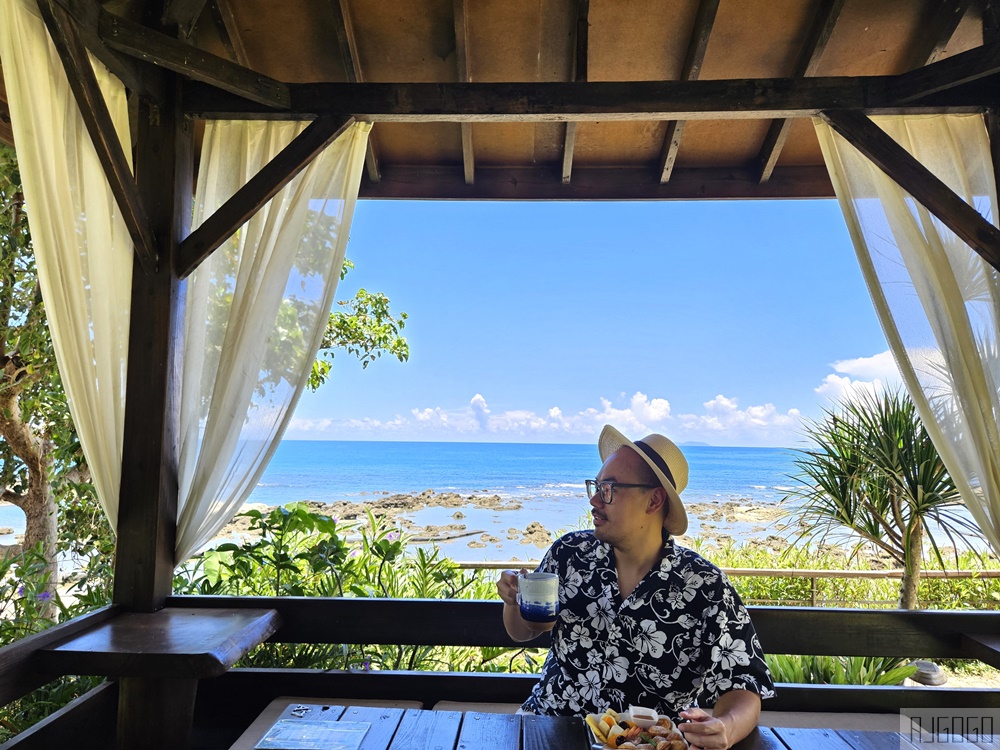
x: 735, y: 660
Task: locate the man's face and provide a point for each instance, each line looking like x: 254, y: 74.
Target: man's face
x: 616, y: 523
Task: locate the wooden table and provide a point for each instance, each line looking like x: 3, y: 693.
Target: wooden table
x: 417, y: 729
x: 164, y: 654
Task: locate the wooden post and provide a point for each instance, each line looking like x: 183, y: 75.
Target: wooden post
x: 154, y: 714
x: 147, y: 513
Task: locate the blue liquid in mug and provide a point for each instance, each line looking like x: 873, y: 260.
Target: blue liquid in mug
x: 539, y: 612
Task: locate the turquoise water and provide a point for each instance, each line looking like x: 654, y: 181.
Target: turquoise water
x: 337, y: 470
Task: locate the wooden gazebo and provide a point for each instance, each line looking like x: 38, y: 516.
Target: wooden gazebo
x: 470, y: 99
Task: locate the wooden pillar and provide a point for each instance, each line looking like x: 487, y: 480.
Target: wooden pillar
x: 154, y: 714
x: 147, y: 510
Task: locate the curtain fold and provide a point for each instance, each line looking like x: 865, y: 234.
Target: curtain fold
x: 255, y: 315
x: 82, y: 248
x: 938, y: 301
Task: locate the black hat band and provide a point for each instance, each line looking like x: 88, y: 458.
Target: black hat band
x: 658, y: 461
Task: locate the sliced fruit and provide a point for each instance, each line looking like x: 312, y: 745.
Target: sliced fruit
x: 598, y: 728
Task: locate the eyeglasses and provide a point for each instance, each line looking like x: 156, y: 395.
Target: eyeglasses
x: 607, y: 489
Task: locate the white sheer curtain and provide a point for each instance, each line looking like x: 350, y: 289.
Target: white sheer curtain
x: 255, y: 314
x: 82, y: 249
x: 938, y: 301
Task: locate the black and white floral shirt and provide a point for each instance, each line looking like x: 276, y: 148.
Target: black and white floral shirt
x: 682, y: 636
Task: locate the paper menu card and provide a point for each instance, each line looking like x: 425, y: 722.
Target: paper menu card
x: 312, y: 734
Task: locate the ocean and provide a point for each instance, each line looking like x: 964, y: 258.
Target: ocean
x: 339, y: 470
x: 547, y: 479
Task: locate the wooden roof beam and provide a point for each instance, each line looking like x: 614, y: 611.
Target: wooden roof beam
x: 151, y: 46
x: 703, y: 24
x: 600, y: 183
x: 183, y: 14
x: 97, y: 119
x: 592, y: 101
x: 827, y: 13
x: 965, y: 67
x: 918, y: 181
x: 462, y: 60
x: 938, y: 31
x: 580, y: 58
x: 258, y: 190
x: 229, y: 32
x: 352, y: 66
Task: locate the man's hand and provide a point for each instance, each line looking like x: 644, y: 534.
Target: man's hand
x: 703, y: 731
x: 507, y: 586
x: 736, y: 714
x: 517, y: 627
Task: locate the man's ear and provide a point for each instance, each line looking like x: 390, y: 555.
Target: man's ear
x: 658, y: 500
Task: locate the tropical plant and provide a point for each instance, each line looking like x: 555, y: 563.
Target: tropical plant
x: 294, y: 551
x: 874, y: 478
x: 839, y: 670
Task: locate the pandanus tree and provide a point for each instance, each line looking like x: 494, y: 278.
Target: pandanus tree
x: 873, y: 478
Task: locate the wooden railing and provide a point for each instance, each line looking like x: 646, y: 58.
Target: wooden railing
x: 230, y: 701
x: 815, y: 575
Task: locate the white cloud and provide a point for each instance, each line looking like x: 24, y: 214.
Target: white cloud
x: 881, y: 366
x: 871, y: 375
x: 722, y: 422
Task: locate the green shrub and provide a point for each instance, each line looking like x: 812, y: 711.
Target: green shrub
x: 839, y: 670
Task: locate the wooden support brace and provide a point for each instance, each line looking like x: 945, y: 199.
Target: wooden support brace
x: 183, y: 14
x: 263, y: 186
x: 190, y: 62
x: 919, y: 182
x: 97, y: 118
x: 948, y: 73
x: 141, y: 79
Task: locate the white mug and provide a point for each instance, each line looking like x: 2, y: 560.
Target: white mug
x: 538, y: 596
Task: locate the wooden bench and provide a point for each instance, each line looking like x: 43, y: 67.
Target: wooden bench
x: 228, y: 702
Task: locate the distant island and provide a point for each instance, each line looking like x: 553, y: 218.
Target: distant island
x: 695, y: 444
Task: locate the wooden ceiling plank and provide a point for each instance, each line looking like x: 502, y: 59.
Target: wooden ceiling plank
x: 827, y: 13
x: 703, y: 23
x: 598, y: 183
x: 938, y: 31
x: 183, y: 14
x: 919, y: 182
x: 976, y: 63
x: 97, y: 119
x: 258, y: 190
x: 547, y: 101
x: 348, y: 45
x: 581, y: 58
x: 232, y: 39
x: 461, y: 9
x: 145, y: 44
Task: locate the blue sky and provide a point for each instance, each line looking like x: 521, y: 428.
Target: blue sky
x: 719, y: 322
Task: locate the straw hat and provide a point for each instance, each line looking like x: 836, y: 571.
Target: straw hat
x: 666, y: 461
